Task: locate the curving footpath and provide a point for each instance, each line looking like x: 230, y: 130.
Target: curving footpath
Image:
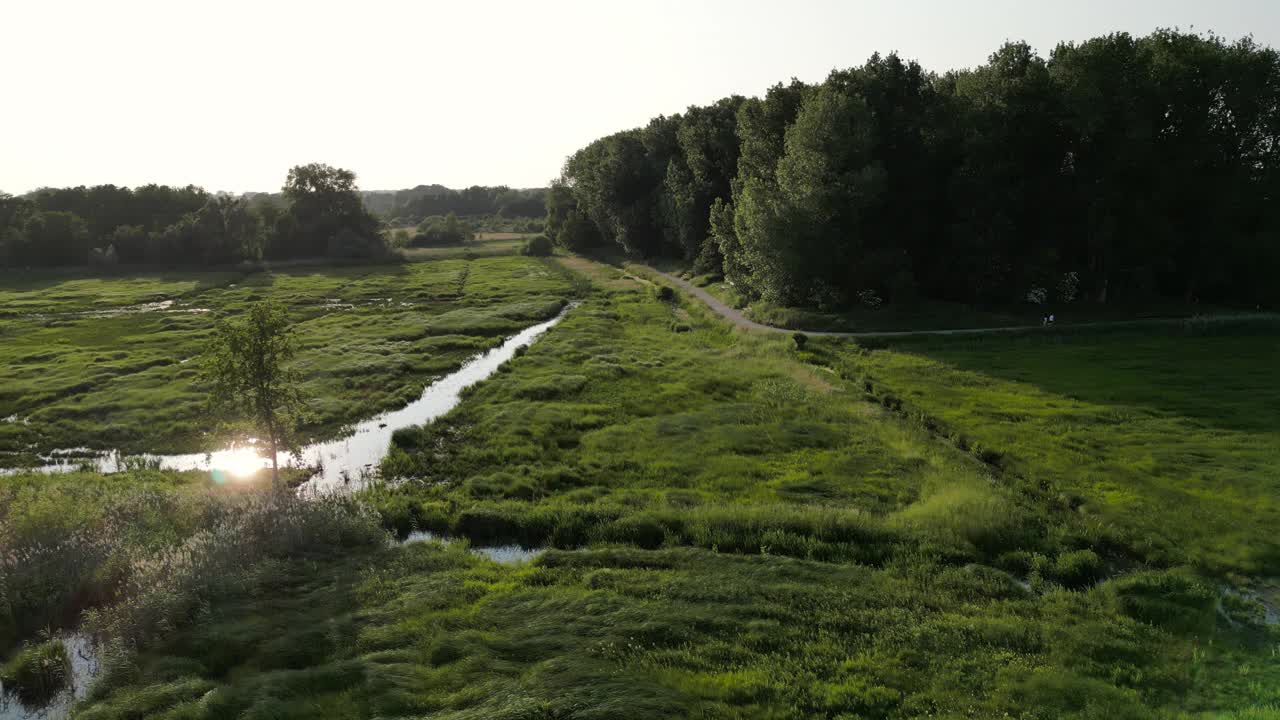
x: 742, y: 321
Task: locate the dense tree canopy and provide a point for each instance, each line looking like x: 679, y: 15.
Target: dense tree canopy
x: 322, y: 214
x: 1118, y: 168
x: 412, y: 206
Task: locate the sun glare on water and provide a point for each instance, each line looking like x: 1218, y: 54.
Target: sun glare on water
x: 238, y: 463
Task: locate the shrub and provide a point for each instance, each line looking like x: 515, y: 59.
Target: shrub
x: 537, y: 246
x: 446, y: 230
x: 407, y: 438
x: 347, y: 243
x: 1078, y: 569
x: 800, y: 340
x: 666, y: 293
x: 37, y: 673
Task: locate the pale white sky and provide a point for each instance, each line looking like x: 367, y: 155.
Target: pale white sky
x: 228, y: 95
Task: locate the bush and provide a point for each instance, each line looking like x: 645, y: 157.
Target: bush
x: 37, y: 673
x: 537, y: 246
x: 437, y: 230
x: 1078, y: 569
x: 347, y: 243
x: 800, y: 340
x: 666, y: 293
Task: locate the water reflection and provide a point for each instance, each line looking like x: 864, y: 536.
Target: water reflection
x: 84, y: 668
x: 347, y: 462
x: 504, y: 554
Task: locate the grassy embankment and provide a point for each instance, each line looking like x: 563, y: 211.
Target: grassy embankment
x: 737, y: 532
x: 87, y: 368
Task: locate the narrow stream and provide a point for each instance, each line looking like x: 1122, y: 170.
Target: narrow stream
x: 346, y: 462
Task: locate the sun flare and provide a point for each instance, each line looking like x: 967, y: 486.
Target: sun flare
x: 237, y: 462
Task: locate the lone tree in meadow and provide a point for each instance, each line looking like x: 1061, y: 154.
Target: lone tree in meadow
x: 247, y: 366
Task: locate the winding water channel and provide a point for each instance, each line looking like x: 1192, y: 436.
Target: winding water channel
x: 346, y: 462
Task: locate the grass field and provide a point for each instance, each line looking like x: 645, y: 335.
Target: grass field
x: 106, y: 364
x: 1171, y: 436
x: 735, y: 528
x: 922, y: 314
x: 488, y: 244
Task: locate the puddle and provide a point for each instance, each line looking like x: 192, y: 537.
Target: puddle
x: 1265, y: 593
x: 84, y: 668
x: 504, y: 554
x: 348, y: 462
x: 160, y: 306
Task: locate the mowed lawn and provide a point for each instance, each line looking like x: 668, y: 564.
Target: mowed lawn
x: 1169, y: 440
x: 113, y: 362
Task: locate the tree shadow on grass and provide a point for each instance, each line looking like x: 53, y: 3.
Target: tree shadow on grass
x: 1226, y: 382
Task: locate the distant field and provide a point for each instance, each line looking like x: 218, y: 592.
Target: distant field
x: 485, y: 245
x: 103, y: 362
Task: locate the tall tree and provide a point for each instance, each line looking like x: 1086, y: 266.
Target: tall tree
x: 247, y: 368
x: 761, y: 128
x: 698, y: 174
x: 1111, y: 123
x: 323, y: 201
x: 1006, y: 196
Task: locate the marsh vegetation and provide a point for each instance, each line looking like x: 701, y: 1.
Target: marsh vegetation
x: 651, y: 511
x: 732, y: 525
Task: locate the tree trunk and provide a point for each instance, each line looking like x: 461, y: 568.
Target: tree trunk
x: 275, y: 464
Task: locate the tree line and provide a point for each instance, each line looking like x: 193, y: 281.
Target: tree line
x: 414, y: 205
x: 320, y: 212
x: 1119, y: 169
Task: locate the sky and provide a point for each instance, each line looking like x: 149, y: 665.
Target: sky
x: 229, y: 94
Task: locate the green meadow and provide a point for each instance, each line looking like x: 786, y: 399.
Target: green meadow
x: 727, y: 525
x: 1167, y: 438
x: 108, y: 365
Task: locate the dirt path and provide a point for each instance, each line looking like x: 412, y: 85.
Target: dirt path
x: 742, y: 321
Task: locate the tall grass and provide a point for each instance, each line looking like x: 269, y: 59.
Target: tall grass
x: 137, y: 555
x: 164, y: 590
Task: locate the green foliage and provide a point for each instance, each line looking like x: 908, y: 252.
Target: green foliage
x: 157, y: 224
x: 248, y: 367
x: 52, y: 238
x: 325, y: 213
x: 1109, y: 164
x: 729, y: 529
x: 437, y: 230
x: 37, y: 672
x: 77, y: 349
x: 537, y: 246
x: 1146, y: 432
x: 1173, y: 600
x: 412, y: 205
